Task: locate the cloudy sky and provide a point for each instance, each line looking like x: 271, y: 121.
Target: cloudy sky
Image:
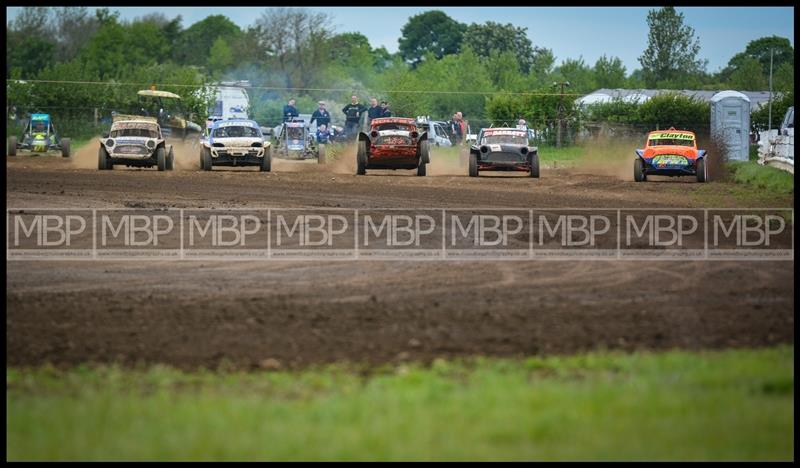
x: 573, y: 32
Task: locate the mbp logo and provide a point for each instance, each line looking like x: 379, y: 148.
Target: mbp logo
x: 312, y: 233
x: 400, y: 233
x: 50, y: 233
x: 487, y: 233
x: 235, y: 233
x: 574, y: 233
x: 665, y: 234
x: 751, y: 233
x: 134, y: 233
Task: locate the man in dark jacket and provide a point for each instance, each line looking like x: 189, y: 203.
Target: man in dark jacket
x: 289, y: 111
x: 375, y: 111
x: 386, y: 112
x: 321, y: 115
x: 352, y: 114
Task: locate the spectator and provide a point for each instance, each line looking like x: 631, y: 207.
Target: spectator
x: 290, y: 111
x: 522, y: 124
x: 352, y: 113
x: 386, y: 112
x: 456, y: 130
x: 321, y: 115
x: 375, y: 110
x: 462, y: 124
x: 323, y: 135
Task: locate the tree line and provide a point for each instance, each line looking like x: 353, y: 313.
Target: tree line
x: 442, y: 65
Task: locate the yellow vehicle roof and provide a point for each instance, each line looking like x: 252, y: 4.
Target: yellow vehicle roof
x: 152, y: 93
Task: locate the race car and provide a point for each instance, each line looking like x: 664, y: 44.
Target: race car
x: 295, y: 140
x: 503, y: 149
x: 39, y: 137
x: 235, y: 142
x: 393, y: 143
x: 670, y: 153
x: 134, y: 141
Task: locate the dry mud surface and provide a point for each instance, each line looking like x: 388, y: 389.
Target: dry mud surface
x: 296, y: 313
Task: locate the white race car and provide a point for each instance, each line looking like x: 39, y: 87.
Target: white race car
x: 235, y: 142
x: 134, y: 141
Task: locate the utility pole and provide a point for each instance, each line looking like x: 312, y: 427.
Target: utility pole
x: 770, y: 91
x: 560, y: 111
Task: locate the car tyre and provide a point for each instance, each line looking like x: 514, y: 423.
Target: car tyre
x: 161, y: 158
x: 473, y: 165
x: 206, y: 163
x: 321, y: 155
x: 422, y: 168
x: 12, y: 146
x: 702, y: 170
x: 425, y: 151
x: 103, y: 160
x: 361, y: 158
x: 170, y: 159
x: 266, y: 161
x: 638, y: 171
x: 533, y: 159
x: 65, y: 147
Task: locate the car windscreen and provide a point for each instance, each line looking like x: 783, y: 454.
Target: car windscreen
x: 505, y: 139
x: 238, y: 131
x: 135, y: 132
x: 670, y: 142
x: 394, y: 126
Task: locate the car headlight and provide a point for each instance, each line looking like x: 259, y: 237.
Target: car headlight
x: 109, y: 142
x: 151, y: 144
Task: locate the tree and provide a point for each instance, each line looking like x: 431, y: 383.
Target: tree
x: 490, y: 37
x: 74, y: 28
x: 609, y: 72
x: 783, y: 78
x: 220, y: 57
x: 759, y: 49
x: 195, y: 42
x: 748, y: 76
x: 430, y: 32
x: 296, y: 41
x: 672, y: 49
x: 578, y: 73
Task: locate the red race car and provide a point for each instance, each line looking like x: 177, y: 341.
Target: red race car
x: 670, y: 153
x: 393, y: 143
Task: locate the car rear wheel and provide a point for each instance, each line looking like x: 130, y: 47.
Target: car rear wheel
x: 473, y: 165
x: 702, y: 170
x: 12, y: 146
x: 103, y: 161
x: 266, y: 162
x: 424, y: 151
x: 65, y: 147
x: 638, y: 171
x: 321, y: 156
x: 422, y: 168
x: 161, y: 158
x: 205, y: 157
x: 170, y: 159
x: 361, y: 158
x: 533, y: 159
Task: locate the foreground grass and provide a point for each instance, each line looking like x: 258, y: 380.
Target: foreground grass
x: 673, y: 406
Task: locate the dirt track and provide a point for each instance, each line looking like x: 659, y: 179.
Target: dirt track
x: 298, y: 313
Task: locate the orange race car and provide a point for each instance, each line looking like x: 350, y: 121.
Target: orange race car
x: 670, y: 153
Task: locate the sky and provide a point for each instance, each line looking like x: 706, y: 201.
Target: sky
x: 571, y: 32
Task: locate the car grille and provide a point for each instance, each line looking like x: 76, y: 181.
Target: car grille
x: 131, y: 149
x: 506, y: 157
x: 239, y: 151
x: 393, y: 140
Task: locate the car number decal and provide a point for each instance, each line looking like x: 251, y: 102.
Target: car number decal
x: 495, y: 147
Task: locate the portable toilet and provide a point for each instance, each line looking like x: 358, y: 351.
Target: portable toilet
x: 730, y: 123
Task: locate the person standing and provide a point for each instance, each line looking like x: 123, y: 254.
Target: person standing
x: 352, y: 115
x: 455, y: 130
x: 321, y: 115
x: 374, y: 111
x: 386, y: 112
x: 290, y: 111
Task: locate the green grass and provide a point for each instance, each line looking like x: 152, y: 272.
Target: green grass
x: 731, y: 405
x: 761, y: 177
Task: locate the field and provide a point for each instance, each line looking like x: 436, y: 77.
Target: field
x: 376, y: 360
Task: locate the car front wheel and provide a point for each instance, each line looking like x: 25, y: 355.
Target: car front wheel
x: 638, y: 171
